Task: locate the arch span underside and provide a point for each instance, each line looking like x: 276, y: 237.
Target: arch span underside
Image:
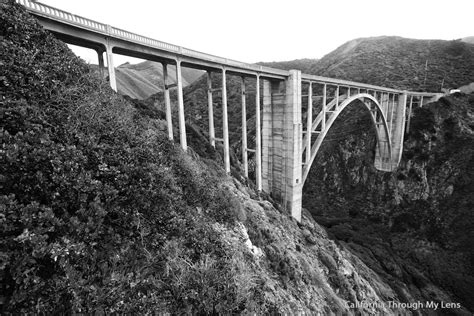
x: 377, y: 114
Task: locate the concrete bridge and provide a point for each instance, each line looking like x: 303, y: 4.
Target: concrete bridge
x: 294, y: 111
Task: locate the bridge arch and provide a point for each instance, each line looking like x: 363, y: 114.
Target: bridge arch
x: 376, y: 113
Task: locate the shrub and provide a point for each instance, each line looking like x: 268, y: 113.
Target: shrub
x: 93, y: 196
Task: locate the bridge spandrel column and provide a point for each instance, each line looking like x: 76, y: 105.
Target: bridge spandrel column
x: 225, y: 124
x: 181, y: 121
x: 110, y: 66
x: 100, y: 58
x: 166, y: 90
x: 210, y: 108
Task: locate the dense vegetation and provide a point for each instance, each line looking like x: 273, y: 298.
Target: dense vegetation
x: 98, y: 210
x: 401, y: 63
x: 413, y: 226
x: 396, y: 62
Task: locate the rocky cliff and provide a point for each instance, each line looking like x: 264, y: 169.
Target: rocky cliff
x: 414, y: 226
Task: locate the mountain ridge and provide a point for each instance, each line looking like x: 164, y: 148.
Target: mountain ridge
x: 403, y: 63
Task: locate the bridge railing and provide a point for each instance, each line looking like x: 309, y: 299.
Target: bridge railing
x: 140, y: 39
x: 47, y: 10
x: 57, y: 14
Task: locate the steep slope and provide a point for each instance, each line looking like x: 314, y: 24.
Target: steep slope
x: 414, y: 225
x: 401, y: 225
x: 101, y: 214
x: 401, y: 63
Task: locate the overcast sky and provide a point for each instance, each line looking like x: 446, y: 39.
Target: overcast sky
x: 261, y: 30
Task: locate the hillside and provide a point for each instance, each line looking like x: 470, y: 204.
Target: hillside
x: 101, y: 214
x: 140, y: 81
x: 469, y: 39
x: 401, y: 63
x: 412, y: 227
x: 305, y: 65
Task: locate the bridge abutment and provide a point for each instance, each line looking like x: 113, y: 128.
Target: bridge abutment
x: 282, y: 141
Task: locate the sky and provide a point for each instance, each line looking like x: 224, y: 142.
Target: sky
x: 278, y: 30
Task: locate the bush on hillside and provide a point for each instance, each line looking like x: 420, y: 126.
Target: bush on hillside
x: 98, y: 211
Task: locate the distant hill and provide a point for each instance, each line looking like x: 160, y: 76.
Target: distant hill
x: 139, y: 81
x: 401, y: 63
x: 305, y: 64
x: 469, y: 39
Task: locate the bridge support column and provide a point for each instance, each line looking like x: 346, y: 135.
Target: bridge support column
x: 398, y: 129
x: 409, y: 115
x: 100, y: 57
x: 282, y: 143
x: 258, y: 137
x: 244, y: 128
x: 293, y: 134
x: 169, y: 118
x: 210, y: 109
x: 182, y: 122
x: 225, y: 123
x: 272, y: 139
x: 386, y: 159
x: 110, y: 66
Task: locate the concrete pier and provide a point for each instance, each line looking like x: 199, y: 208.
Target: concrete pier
x: 100, y: 59
x: 166, y: 92
x: 210, y: 111
x: 182, y: 122
x: 282, y: 142
x: 225, y: 123
x: 244, y: 128
x: 110, y: 66
x: 258, y: 137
